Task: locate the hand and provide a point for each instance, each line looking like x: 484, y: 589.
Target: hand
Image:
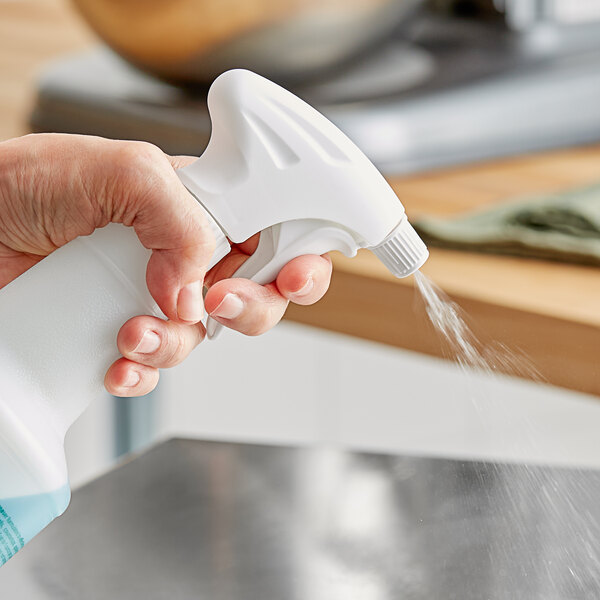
x: 54, y: 188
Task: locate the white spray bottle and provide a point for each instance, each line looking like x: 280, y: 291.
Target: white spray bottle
x: 273, y: 165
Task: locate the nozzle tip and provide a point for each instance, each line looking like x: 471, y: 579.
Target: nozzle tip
x: 403, y: 251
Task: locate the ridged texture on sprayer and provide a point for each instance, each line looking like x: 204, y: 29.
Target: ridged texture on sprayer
x: 403, y: 252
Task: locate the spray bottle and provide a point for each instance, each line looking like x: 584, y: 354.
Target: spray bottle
x: 273, y: 165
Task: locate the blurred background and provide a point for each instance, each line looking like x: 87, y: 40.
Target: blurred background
x: 462, y: 104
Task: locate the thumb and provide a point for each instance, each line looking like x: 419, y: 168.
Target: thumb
x: 171, y: 223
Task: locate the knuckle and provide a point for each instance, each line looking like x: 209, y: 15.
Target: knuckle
x: 139, y: 174
x: 263, y: 322
x: 143, y: 152
x: 174, y: 350
x: 179, y: 344
x: 140, y: 160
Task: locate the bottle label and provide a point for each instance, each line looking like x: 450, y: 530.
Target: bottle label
x: 11, y: 540
x: 23, y: 517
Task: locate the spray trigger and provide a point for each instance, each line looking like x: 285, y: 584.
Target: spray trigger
x: 285, y: 241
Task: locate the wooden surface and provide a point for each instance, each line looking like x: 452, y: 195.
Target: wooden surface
x: 549, y: 311
x: 32, y: 32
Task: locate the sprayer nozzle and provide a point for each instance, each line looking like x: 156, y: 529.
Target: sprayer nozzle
x: 403, y: 251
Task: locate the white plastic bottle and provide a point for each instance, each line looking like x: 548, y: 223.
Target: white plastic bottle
x: 273, y: 165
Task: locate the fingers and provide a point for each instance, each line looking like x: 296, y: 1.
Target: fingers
x: 64, y: 186
x: 147, y: 344
x: 253, y: 309
x: 305, y: 279
x: 135, y: 183
x: 158, y: 343
x: 170, y: 222
x: 245, y: 306
x: 126, y: 378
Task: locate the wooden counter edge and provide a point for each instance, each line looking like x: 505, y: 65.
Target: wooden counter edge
x: 564, y: 353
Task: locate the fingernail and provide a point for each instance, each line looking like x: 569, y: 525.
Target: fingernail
x: 306, y: 289
x: 149, y: 343
x: 132, y: 379
x: 189, y: 303
x: 230, y: 307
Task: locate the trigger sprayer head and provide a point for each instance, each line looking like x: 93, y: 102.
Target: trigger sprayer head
x: 403, y: 251
x: 274, y: 163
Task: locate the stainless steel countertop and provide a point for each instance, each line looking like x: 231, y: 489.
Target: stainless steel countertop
x: 223, y: 521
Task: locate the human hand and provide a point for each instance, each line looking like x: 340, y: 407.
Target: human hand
x: 55, y: 187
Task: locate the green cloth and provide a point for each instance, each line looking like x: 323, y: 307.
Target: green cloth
x: 563, y: 227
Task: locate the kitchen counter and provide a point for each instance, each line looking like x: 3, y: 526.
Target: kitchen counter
x: 549, y: 311
x: 200, y: 520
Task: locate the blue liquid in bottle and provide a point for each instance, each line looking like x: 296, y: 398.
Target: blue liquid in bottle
x: 24, y: 517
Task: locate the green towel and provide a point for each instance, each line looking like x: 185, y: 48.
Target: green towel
x: 563, y: 227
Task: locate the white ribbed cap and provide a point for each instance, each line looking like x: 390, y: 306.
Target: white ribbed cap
x: 403, y: 251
